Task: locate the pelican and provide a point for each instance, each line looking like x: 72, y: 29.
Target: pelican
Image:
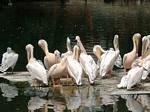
x: 137, y: 71
x: 87, y: 62
x: 74, y: 67
x: 36, y: 70
x: 9, y: 60
x: 50, y: 58
x: 58, y: 70
x: 99, y: 53
x: 69, y: 51
x: 109, y: 58
x: 128, y: 58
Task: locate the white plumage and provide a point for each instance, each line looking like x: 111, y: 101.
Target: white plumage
x: 9, y: 59
x: 87, y: 62
x: 89, y: 66
x: 109, y: 58
x: 36, y: 70
x: 75, y: 70
x: 74, y: 67
x: 135, y: 75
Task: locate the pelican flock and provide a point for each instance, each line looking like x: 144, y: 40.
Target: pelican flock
x: 78, y: 64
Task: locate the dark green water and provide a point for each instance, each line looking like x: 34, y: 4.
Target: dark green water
x: 96, y: 22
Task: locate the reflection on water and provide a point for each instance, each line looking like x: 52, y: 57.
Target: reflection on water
x: 75, y: 99
x: 8, y: 91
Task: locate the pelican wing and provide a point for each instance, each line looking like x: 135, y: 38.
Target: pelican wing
x: 146, y: 66
x: 108, y: 61
x: 75, y: 70
x: 123, y: 82
x: 135, y: 76
x: 8, y: 60
x: 89, y: 66
x: 37, y: 71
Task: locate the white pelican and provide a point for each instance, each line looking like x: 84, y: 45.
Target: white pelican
x: 36, y: 70
x: 58, y: 70
x: 74, y: 67
x: 50, y: 58
x: 9, y: 59
x: 69, y: 51
x: 129, y: 58
x: 87, y: 62
x: 99, y: 53
x: 137, y: 71
x: 109, y: 58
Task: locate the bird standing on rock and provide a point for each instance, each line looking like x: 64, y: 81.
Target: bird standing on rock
x: 9, y: 60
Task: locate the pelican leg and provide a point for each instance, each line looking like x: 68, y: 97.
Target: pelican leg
x: 109, y: 73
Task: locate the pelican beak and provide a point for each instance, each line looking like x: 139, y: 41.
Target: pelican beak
x: 97, y: 51
x: 143, y: 46
x: 77, y: 38
x: 116, y: 42
x: 136, y: 38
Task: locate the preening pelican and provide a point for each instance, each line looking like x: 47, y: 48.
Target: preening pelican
x: 74, y: 67
x: 58, y: 70
x: 87, y: 62
x: 109, y: 58
x: 69, y: 51
x: 50, y: 58
x: 139, y: 68
x: 129, y: 58
x: 36, y: 70
x: 9, y: 59
x: 99, y: 53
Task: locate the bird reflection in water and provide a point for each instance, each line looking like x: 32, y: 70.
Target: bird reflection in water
x: 71, y: 98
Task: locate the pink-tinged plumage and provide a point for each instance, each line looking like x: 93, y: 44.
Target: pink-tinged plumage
x: 50, y: 58
x: 130, y: 57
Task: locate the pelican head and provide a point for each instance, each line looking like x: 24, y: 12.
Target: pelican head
x: 144, y: 41
x: 9, y: 50
x: 76, y: 50
x: 77, y: 38
x: 68, y: 40
x: 29, y: 49
x: 68, y: 43
x: 57, y: 54
x: 136, y: 40
x: 148, y: 44
x: 116, y: 42
x: 98, y: 51
x: 43, y: 44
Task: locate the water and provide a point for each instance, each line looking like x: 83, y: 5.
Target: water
x: 95, y: 21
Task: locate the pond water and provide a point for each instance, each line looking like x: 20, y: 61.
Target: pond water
x: 96, y: 22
